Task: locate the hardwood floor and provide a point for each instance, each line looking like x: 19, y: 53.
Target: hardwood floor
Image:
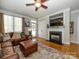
x: 72, y: 49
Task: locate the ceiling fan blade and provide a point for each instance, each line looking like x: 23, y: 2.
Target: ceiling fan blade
x: 30, y: 4
x: 43, y: 1
x: 45, y: 7
x: 36, y: 8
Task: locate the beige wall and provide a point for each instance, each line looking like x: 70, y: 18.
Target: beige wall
x: 42, y: 27
x: 74, y: 18
x: 43, y: 30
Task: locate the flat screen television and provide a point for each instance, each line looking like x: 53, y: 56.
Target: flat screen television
x: 56, y: 22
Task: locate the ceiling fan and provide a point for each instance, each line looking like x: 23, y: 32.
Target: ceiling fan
x: 38, y: 4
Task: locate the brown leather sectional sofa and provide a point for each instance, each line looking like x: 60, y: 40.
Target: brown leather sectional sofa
x: 8, y: 50
x: 8, y: 47
x: 17, y: 41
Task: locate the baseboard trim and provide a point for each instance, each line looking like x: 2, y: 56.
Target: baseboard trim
x: 66, y: 43
x: 74, y: 42
x: 62, y: 42
x: 43, y: 38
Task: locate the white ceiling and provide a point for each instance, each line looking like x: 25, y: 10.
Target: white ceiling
x: 18, y: 6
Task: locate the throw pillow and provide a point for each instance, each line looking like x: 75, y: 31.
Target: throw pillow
x: 16, y: 35
x: 6, y: 37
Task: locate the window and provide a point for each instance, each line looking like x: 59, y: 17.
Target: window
x: 17, y: 24
x: 12, y: 24
x: 8, y: 23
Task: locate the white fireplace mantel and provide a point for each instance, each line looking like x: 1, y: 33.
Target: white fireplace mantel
x: 56, y: 29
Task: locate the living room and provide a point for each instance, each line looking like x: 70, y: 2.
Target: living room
x: 38, y: 29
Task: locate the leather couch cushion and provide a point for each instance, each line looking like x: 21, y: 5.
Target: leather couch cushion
x: 8, y: 51
x: 12, y: 56
x: 6, y: 44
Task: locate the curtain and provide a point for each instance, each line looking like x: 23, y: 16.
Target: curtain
x: 1, y: 23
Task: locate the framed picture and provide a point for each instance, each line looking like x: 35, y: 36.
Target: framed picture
x: 27, y: 23
x: 71, y: 27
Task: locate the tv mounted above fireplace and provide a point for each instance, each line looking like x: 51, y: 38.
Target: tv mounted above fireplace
x: 56, y: 21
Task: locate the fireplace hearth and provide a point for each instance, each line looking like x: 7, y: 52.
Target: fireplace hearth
x: 55, y: 36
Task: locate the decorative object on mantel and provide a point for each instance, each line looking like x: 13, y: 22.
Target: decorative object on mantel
x: 71, y: 27
x: 38, y: 4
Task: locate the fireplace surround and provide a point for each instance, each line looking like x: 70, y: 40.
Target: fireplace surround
x: 55, y: 36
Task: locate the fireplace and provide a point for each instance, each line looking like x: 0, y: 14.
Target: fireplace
x: 55, y: 36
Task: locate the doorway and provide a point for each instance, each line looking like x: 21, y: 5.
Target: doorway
x: 33, y: 27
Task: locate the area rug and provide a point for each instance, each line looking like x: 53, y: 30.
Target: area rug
x: 44, y: 52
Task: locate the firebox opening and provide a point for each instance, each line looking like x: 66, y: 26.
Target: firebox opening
x: 55, y: 36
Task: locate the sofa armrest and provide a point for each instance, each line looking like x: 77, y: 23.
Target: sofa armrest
x: 13, y: 56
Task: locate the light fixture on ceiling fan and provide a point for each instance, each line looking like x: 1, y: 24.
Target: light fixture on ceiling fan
x: 38, y: 4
